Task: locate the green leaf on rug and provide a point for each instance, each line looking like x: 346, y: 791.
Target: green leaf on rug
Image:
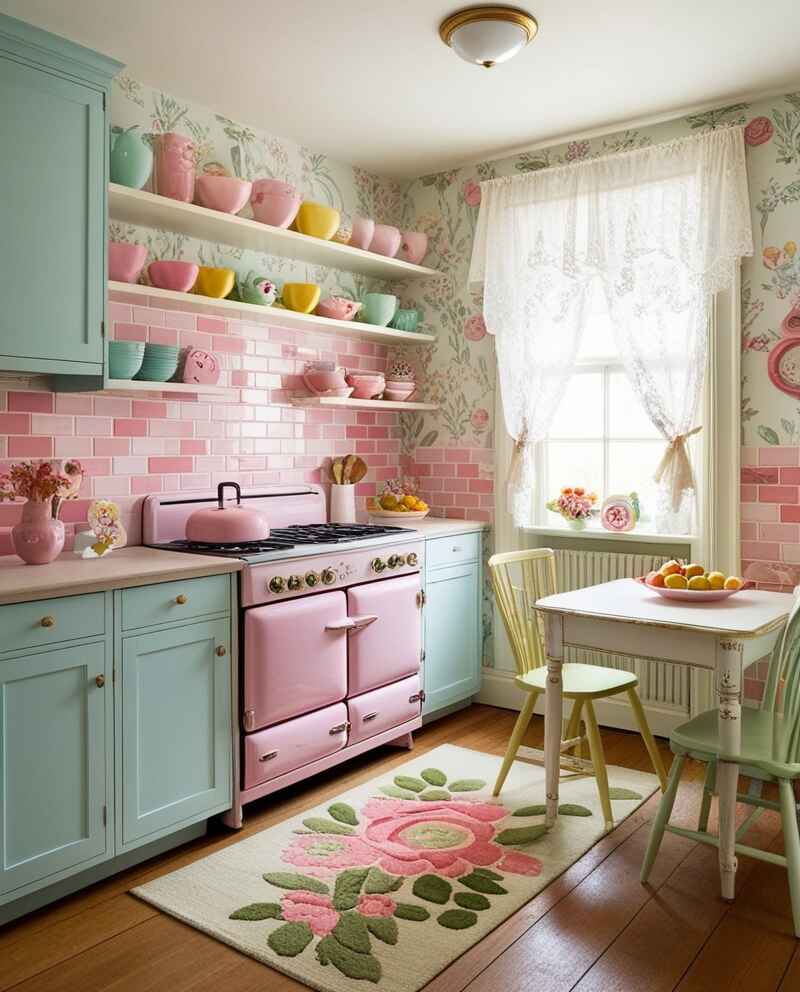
x: 624, y: 794
x: 434, y: 795
x: 378, y: 882
x: 319, y: 825
x: 573, y: 809
x: 480, y: 883
x: 431, y: 888
x: 394, y: 793
x: 343, y: 813
x: 457, y: 919
x: 351, y: 931
x: 471, y: 900
x: 359, y: 966
x: 294, y: 880
x: 348, y: 885
x: 409, y: 782
x: 290, y: 939
x: 521, y: 835
x: 384, y: 928
x: 466, y: 785
x: 538, y: 810
x: 433, y: 776
x: 258, y: 911
x: 408, y: 911
x: 488, y: 873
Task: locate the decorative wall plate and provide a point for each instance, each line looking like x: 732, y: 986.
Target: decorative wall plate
x: 619, y: 513
x: 783, y: 365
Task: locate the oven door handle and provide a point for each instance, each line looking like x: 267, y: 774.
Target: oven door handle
x: 352, y: 623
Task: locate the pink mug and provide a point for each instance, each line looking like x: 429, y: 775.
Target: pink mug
x: 173, y: 174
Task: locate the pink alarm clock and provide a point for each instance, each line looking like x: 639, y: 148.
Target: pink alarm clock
x: 201, y: 367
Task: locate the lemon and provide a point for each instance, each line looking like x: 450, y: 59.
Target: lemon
x: 389, y: 501
x: 699, y: 583
x: 716, y: 580
x: 422, y: 505
x: 409, y: 502
x: 675, y: 581
x: 693, y: 569
x: 733, y: 582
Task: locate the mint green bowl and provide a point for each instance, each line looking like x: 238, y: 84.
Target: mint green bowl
x: 124, y: 358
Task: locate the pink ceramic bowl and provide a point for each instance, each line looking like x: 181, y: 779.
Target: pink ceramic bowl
x: 223, y: 193
x: 323, y: 382
x: 413, y: 246
x: 386, y: 240
x: 399, y: 389
x: 366, y: 385
x: 274, y: 202
x: 125, y: 262
x: 337, y: 308
x: 363, y: 230
x: 174, y: 275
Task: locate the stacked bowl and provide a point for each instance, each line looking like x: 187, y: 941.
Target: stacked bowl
x: 124, y: 358
x: 159, y: 364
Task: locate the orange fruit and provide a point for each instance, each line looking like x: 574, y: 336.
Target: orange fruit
x: 692, y: 570
x: 654, y: 579
x: 671, y: 567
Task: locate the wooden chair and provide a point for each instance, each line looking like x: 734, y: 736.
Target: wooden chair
x: 770, y: 752
x: 520, y: 578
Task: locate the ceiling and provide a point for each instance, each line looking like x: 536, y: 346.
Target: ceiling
x: 369, y: 81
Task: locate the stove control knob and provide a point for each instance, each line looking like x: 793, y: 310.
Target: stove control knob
x: 378, y: 564
x: 329, y: 576
x: 396, y: 561
x: 312, y: 579
x: 412, y: 559
x: 276, y: 584
x: 295, y: 582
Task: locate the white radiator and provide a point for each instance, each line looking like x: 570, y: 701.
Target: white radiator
x: 662, y: 686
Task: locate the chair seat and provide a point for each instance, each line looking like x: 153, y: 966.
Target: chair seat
x: 580, y: 680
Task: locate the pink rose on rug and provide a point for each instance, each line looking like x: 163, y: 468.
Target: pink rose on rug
x: 472, y: 193
x: 474, y: 328
x: 758, y: 131
x: 321, y: 854
x: 376, y: 905
x: 520, y: 864
x: 311, y: 908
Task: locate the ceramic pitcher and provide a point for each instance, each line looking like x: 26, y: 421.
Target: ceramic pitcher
x: 38, y: 538
x: 131, y: 157
x: 173, y: 175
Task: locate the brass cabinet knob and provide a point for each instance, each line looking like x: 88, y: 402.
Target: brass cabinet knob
x: 312, y: 579
x: 276, y: 584
x: 221, y: 651
x: 378, y: 564
x: 181, y: 600
x: 395, y: 561
x: 48, y: 621
x: 295, y: 582
x: 99, y: 681
x: 328, y: 576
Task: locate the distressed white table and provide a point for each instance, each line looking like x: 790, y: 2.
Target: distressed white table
x: 625, y: 618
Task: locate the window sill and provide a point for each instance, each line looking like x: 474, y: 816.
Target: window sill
x: 600, y: 534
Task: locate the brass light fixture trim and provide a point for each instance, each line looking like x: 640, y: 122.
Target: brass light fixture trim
x: 473, y: 15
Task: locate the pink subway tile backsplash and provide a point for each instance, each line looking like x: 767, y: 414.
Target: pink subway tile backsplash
x: 30, y: 402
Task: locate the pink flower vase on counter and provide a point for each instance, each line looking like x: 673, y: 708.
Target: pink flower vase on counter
x: 38, y: 538
x: 173, y: 175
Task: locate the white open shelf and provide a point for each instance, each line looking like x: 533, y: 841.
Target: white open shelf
x: 341, y: 401
x: 279, y: 317
x: 134, y: 206
x: 146, y: 385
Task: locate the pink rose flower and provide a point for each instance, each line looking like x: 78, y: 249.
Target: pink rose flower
x: 474, y: 328
x: 311, y: 908
x: 321, y: 854
x: 791, y: 322
x: 479, y: 419
x: 758, y: 131
x: 472, y: 193
x: 376, y: 905
x: 518, y: 863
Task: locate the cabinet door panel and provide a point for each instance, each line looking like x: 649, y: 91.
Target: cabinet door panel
x: 52, y: 264
x: 175, y: 740
x: 452, y: 635
x: 388, y: 648
x: 52, y: 758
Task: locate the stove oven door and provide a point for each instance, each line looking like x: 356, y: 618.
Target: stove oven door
x: 387, y: 648
x: 295, y: 658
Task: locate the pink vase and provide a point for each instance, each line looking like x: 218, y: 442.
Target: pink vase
x: 38, y: 538
x: 173, y: 174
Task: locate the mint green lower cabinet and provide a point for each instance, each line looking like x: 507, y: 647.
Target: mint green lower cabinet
x: 452, y: 634
x: 173, y: 729
x: 55, y: 727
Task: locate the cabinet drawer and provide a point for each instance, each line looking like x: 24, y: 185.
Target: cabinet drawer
x: 169, y: 602
x: 383, y: 709
x: 50, y: 621
x: 452, y: 550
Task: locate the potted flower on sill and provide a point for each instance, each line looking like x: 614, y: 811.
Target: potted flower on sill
x: 39, y: 536
x: 575, y: 505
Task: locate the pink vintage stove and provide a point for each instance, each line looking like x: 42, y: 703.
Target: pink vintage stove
x: 329, y: 633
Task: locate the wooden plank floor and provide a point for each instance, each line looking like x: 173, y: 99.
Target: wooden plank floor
x: 594, y: 929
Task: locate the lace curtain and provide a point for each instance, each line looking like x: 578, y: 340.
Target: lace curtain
x: 662, y: 228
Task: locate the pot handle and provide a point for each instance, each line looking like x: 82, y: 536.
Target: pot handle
x: 221, y: 493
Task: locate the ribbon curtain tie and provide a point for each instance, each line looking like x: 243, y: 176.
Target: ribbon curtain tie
x: 675, y: 469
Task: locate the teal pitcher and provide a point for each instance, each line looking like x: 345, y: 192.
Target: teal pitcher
x: 131, y: 157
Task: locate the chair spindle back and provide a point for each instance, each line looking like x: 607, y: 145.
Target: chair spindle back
x: 519, y: 578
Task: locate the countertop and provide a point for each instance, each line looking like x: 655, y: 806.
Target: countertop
x: 443, y: 526
x: 70, y: 574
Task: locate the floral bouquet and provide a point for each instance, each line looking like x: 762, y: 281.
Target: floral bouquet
x: 41, y: 482
x: 574, y: 504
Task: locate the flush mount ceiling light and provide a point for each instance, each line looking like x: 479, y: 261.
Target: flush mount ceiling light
x: 488, y: 35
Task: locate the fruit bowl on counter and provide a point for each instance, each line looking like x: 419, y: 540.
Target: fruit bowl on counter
x: 692, y: 583
x: 400, y: 505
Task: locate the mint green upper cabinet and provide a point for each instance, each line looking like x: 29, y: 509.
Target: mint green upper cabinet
x: 54, y: 164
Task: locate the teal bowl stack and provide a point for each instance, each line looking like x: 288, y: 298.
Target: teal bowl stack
x: 159, y: 364
x: 125, y: 358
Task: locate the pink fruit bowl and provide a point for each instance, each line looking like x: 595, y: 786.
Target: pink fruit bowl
x: 694, y: 595
x: 386, y: 240
x: 337, y: 308
x: 125, y: 262
x: 174, y: 275
x: 223, y: 193
x: 274, y: 202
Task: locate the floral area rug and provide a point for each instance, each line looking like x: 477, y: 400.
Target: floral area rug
x: 393, y: 880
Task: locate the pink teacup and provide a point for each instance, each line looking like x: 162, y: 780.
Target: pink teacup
x: 386, y: 240
x: 363, y: 230
x: 274, y: 202
x: 322, y: 381
x: 125, y: 262
x: 366, y: 385
x: 173, y: 274
x: 337, y: 308
x: 413, y: 246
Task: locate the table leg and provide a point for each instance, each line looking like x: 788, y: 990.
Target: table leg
x: 729, y: 687
x: 554, y: 652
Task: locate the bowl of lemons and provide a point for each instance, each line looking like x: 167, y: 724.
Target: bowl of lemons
x: 692, y: 582
x: 401, y: 505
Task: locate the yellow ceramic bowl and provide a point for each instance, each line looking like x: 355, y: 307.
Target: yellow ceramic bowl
x: 216, y: 283
x: 317, y: 220
x: 300, y: 296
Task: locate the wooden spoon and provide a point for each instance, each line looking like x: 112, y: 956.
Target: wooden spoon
x: 349, y: 462
x: 336, y: 471
x: 358, y: 471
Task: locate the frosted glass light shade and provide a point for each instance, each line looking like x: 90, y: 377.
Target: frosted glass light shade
x: 487, y: 36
